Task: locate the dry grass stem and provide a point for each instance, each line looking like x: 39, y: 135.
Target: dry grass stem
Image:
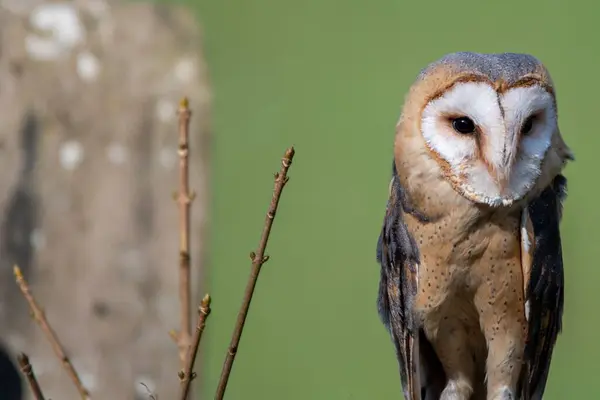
x: 258, y: 259
x: 187, y: 375
x: 41, y: 320
x: 27, y: 370
x: 184, y: 198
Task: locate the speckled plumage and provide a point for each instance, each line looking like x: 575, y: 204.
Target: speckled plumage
x: 470, y: 291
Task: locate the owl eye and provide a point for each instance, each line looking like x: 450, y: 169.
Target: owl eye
x: 528, y: 125
x: 464, y: 125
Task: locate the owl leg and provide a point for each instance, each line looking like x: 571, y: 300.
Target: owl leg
x: 502, y: 320
x: 450, y: 341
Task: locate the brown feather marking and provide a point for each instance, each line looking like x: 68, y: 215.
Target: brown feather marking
x: 444, y: 165
x: 461, y: 78
x: 500, y: 85
x: 530, y: 80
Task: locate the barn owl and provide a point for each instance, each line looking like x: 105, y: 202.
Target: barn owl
x: 471, y: 287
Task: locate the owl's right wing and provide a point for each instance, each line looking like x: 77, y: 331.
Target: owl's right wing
x: 397, y: 253
x: 544, y: 285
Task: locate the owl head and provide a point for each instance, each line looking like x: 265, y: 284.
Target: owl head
x: 489, y: 123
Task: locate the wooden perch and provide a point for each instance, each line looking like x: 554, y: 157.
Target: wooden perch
x: 258, y: 259
x: 40, y: 318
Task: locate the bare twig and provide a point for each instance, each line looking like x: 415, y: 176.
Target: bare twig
x: 258, y: 259
x: 184, y: 198
x: 151, y: 395
x: 40, y: 318
x: 187, y: 375
x: 27, y: 370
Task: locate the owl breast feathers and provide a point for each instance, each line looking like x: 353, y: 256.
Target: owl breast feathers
x: 471, y: 287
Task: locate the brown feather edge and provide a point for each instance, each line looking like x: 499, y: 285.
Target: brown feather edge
x: 413, y: 365
x: 410, y: 343
x: 527, y: 248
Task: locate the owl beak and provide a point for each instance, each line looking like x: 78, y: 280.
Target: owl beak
x: 503, y: 181
x: 504, y: 170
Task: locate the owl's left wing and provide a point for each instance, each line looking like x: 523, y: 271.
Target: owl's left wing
x: 397, y: 253
x: 544, y: 285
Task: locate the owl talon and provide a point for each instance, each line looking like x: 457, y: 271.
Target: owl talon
x: 503, y: 393
x: 456, y: 391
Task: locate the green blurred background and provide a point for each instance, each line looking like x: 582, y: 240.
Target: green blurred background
x: 329, y: 77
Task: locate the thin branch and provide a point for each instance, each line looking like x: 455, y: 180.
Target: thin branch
x: 27, y: 370
x: 258, y: 259
x: 151, y: 395
x: 187, y: 375
x: 184, y: 199
x: 41, y: 320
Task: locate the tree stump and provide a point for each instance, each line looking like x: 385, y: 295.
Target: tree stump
x: 88, y: 158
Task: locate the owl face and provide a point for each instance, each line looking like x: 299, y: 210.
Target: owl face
x: 490, y: 141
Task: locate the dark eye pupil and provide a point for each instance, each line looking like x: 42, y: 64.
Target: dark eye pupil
x: 527, y: 126
x: 463, y: 125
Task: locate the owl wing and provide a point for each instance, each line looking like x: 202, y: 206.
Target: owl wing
x: 544, y: 285
x: 397, y: 254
